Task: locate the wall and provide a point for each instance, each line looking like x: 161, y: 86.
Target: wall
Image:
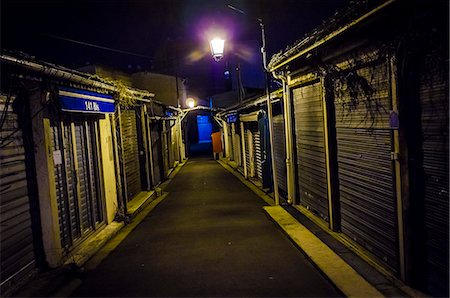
x: 109, y: 176
x: 164, y: 87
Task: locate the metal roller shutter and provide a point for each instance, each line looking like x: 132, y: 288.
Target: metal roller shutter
x: 65, y: 186
x: 165, y: 149
x: 365, y: 168
x: 435, y: 122
x: 156, y: 152
x: 247, y: 150
x: 170, y: 145
x: 230, y: 141
x: 280, y: 150
x: 257, y: 151
x: 131, y: 153
x: 311, y: 163
x: 83, y: 177
x: 238, y: 150
x: 80, y: 208
x: 17, y: 248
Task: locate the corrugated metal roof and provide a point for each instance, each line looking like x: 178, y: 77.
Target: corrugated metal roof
x: 340, y: 19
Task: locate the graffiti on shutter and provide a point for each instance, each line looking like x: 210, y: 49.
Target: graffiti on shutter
x: 310, y: 144
x: 365, y: 168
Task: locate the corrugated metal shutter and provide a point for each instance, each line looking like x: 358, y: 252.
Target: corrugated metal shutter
x: 83, y: 178
x: 65, y: 185
x: 247, y: 150
x: 231, y: 141
x: 170, y: 147
x: 435, y: 123
x: 364, y: 145
x: 17, y: 249
x: 237, y: 149
x: 311, y: 164
x: 156, y: 152
x: 279, y: 140
x: 165, y: 149
x: 257, y: 150
x: 77, y: 181
x: 131, y: 153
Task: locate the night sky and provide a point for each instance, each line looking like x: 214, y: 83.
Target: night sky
x: 167, y: 36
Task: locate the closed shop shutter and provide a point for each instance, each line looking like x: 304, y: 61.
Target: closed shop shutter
x: 257, y: 151
x: 280, y: 151
x: 165, y: 149
x: 77, y: 180
x: 231, y: 141
x: 435, y: 123
x: 131, y: 153
x: 65, y: 185
x: 365, y: 168
x: 17, y: 249
x: 238, y: 150
x: 170, y: 146
x: 156, y: 152
x: 310, y: 144
x: 247, y: 150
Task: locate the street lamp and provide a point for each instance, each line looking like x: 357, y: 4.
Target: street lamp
x: 217, y: 48
x: 190, y: 102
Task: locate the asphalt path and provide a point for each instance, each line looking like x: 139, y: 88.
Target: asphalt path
x: 209, y: 237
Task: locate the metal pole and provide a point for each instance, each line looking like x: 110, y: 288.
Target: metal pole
x: 269, y: 113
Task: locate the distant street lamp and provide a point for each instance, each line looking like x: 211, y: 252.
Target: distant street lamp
x: 190, y: 102
x: 217, y: 48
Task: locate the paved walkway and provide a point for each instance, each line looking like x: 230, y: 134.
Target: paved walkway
x: 209, y: 237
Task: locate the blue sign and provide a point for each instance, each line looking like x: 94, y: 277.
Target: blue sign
x: 232, y: 118
x: 76, y: 100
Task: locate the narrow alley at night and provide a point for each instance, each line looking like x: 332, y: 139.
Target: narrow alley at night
x: 208, y: 237
x: 241, y: 148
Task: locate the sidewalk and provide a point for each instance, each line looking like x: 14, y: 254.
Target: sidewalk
x: 348, y: 271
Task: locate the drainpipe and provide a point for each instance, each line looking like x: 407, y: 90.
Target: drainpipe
x: 290, y: 177
x: 269, y: 114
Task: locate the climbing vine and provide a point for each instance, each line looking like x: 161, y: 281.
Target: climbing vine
x: 123, y: 94
x: 354, y: 91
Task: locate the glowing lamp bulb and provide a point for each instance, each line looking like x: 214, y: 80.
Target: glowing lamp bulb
x: 217, y: 48
x: 190, y: 102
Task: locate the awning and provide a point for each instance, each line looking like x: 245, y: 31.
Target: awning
x: 77, y: 100
x: 249, y: 117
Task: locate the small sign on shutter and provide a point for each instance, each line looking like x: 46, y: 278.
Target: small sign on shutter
x: 57, y: 157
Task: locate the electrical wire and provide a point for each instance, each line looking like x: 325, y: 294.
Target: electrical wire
x: 98, y: 46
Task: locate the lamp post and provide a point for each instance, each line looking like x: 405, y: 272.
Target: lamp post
x: 267, y: 91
